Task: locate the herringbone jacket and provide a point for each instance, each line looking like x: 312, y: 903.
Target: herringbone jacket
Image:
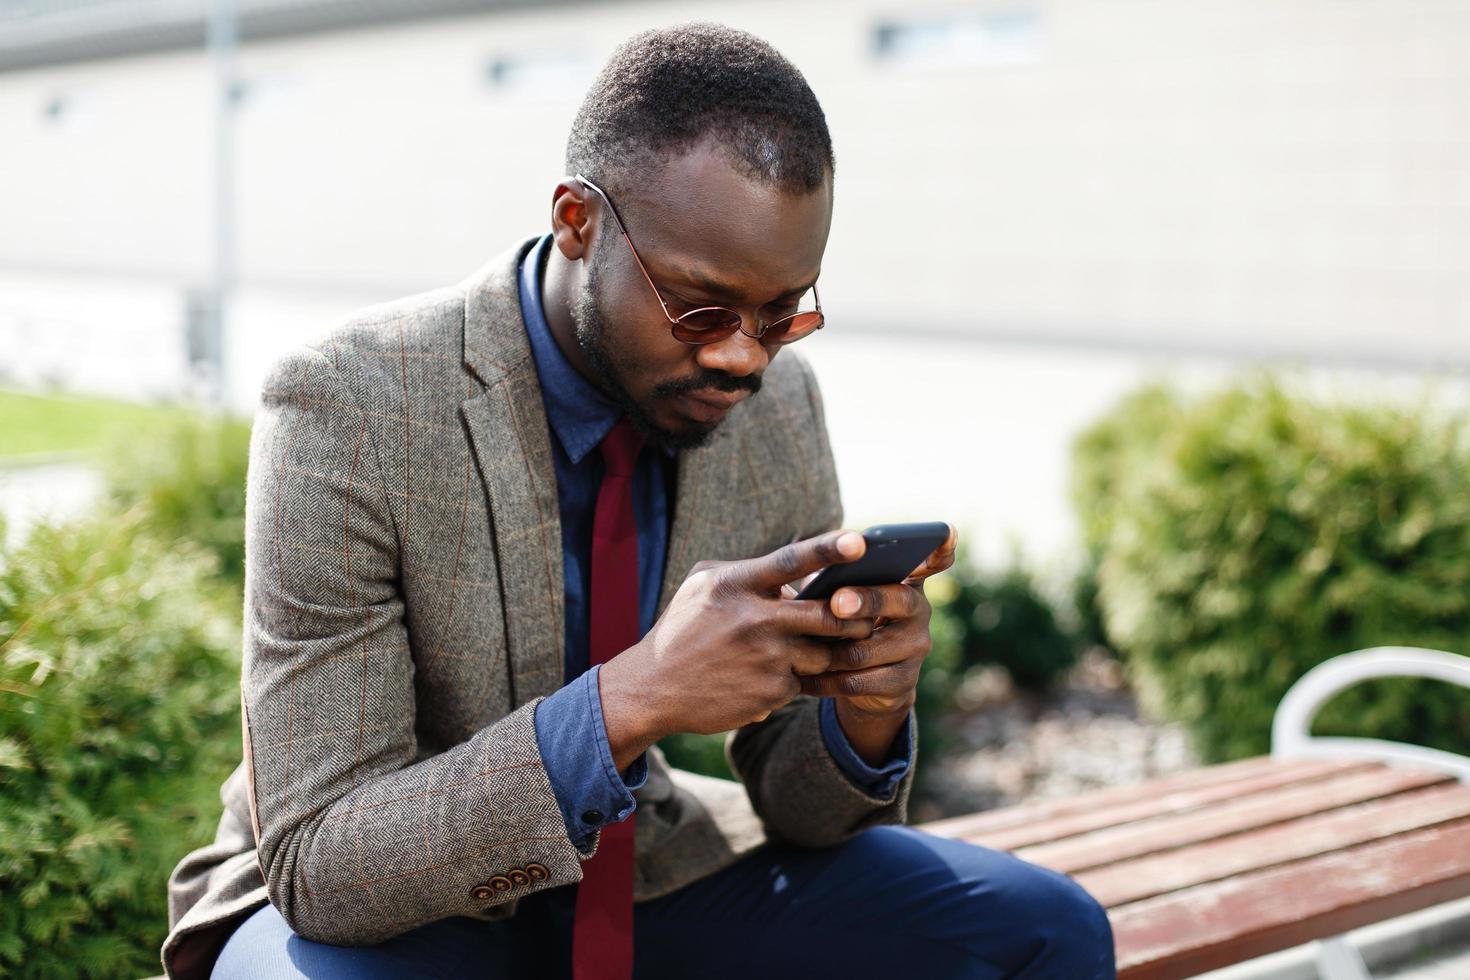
x: 403, y: 618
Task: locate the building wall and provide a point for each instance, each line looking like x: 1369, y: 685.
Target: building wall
x: 1226, y: 177
x: 1217, y: 174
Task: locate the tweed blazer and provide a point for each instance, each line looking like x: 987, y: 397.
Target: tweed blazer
x: 403, y: 618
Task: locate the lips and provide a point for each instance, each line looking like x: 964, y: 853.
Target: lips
x: 720, y: 399
x: 711, y: 406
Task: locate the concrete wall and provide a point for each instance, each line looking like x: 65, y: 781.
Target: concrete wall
x: 1215, y: 175
x: 1108, y: 182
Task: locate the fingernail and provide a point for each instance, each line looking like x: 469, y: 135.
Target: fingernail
x: 850, y: 544
x: 847, y: 603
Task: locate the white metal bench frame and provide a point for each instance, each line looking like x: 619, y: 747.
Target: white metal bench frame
x: 1291, y: 737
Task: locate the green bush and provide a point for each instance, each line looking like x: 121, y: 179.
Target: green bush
x: 189, y: 474
x: 1104, y: 458
x: 1259, y: 533
x: 1004, y: 619
x: 1112, y: 451
x: 939, y: 677
x: 119, y: 718
x: 697, y: 753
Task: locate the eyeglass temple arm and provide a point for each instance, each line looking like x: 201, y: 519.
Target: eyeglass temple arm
x: 617, y: 220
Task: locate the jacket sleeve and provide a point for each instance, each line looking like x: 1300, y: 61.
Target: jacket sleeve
x: 357, y: 838
x: 795, y: 785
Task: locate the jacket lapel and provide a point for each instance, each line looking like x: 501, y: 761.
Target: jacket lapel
x: 512, y: 449
x: 701, y: 528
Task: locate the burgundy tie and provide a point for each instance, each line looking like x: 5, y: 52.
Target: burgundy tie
x: 602, y: 933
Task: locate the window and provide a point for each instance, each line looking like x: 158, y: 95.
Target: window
x: 962, y: 40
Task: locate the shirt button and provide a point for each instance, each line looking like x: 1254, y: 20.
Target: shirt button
x: 592, y: 816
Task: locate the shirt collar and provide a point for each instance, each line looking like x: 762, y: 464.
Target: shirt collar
x: 577, y: 412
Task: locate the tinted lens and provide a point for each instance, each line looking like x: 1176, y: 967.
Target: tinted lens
x: 705, y: 326
x: 794, y: 327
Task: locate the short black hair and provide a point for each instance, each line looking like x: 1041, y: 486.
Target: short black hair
x: 664, y: 91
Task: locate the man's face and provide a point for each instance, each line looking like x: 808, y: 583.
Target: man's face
x: 708, y: 236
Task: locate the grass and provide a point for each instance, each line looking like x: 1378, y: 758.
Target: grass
x: 33, y: 423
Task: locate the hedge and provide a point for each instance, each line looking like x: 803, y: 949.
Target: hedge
x: 1250, y: 534
x: 119, y: 718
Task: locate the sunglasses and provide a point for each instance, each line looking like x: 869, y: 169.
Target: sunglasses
x: 709, y: 324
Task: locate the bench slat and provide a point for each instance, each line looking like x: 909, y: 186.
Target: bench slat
x: 1182, y: 934
x: 971, y: 824
x: 1226, y: 817
x: 1321, y: 833
x: 1167, y: 800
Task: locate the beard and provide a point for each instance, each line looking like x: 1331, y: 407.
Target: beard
x: 593, y: 337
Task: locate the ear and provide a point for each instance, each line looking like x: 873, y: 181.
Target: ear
x: 573, y: 223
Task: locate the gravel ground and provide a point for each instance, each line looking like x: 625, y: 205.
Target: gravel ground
x: 1011, y: 746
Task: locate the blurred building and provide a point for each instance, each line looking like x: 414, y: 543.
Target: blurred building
x: 1036, y: 199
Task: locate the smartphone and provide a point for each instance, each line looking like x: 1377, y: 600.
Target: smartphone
x: 894, y: 552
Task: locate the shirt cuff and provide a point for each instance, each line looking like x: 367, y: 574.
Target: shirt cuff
x: 877, y: 782
x: 574, y: 749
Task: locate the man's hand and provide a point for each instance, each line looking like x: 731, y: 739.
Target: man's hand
x: 877, y: 675
x: 729, y: 649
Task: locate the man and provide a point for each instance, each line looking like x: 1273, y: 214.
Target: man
x: 503, y: 536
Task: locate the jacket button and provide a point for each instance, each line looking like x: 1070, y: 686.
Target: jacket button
x: 537, y: 872
x: 501, y: 883
x: 482, y: 893
x: 518, y: 876
x: 592, y: 816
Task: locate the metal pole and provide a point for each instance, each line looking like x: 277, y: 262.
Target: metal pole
x: 223, y: 38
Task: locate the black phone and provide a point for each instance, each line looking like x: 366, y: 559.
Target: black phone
x: 894, y: 552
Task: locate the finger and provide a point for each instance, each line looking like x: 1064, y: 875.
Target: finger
x: 810, y: 656
x: 813, y: 617
x: 792, y: 590
x: 905, y: 641
x: 788, y: 563
x: 897, y: 601
x: 889, y: 680
x: 939, y: 559
x: 860, y: 654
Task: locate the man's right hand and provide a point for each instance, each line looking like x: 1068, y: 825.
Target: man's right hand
x: 728, y: 650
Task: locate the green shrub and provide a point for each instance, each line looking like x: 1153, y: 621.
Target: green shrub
x: 1112, y: 451
x: 939, y: 677
x: 1007, y: 621
x: 697, y: 753
x: 1263, y: 533
x: 1091, y: 631
x: 119, y: 718
x: 1104, y: 458
x: 189, y: 474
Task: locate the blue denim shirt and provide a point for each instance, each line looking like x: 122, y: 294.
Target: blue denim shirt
x: 590, y: 790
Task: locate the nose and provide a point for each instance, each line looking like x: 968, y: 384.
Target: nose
x: 738, y: 354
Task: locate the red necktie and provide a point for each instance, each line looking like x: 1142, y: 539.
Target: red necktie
x: 602, y: 932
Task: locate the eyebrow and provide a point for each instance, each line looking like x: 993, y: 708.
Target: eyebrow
x: 713, y: 287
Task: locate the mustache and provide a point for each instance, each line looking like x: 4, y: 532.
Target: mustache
x: 718, y: 380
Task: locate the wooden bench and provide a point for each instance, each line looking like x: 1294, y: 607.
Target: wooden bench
x: 1230, y: 862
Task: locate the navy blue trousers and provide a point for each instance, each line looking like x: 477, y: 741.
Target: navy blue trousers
x: 892, y: 902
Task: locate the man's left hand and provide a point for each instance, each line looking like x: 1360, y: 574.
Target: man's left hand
x: 878, y: 675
